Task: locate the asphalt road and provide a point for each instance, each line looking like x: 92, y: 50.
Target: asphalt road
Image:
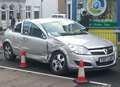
x: 111, y: 76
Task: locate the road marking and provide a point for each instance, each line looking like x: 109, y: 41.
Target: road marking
x: 99, y: 83
x: 55, y: 76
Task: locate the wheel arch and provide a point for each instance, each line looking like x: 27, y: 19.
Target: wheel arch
x: 65, y: 69
x: 9, y: 42
x: 55, y: 51
x: 11, y: 56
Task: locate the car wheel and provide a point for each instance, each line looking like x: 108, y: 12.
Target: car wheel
x: 58, y: 63
x: 8, y: 52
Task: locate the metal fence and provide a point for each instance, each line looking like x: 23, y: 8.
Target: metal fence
x: 112, y: 35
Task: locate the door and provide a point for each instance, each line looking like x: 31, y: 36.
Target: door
x: 15, y: 39
x: 34, y: 41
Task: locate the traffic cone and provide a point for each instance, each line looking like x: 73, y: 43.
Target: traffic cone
x: 1, y: 45
x: 23, y: 63
x: 81, y: 74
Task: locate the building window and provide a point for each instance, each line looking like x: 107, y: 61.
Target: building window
x: 18, y: 28
x: 3, y: 12
x: 18, y: 16
x: 28, y: 11
x: 79, y: 6
x: 36, y: 14
x: 3, y: 15
x: 11, y: 12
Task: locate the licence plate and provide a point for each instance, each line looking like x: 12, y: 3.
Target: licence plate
x: 106, y: 59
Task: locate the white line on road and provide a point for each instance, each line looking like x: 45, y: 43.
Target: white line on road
x: 55, y: 76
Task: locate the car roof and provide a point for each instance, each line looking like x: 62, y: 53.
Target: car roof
x: 47, y: 20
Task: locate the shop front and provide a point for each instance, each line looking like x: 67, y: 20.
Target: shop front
x: 104, y: 16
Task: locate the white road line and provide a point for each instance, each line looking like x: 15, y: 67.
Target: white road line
x: 99, y: 83
x: 55, y: 76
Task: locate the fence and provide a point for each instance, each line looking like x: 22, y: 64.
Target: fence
x: 108, y: 34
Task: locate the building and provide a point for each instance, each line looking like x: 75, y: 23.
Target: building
x: 73, y: 8
x: 62, y: 6
x: 105, y: 15
x: 10, y: 8
x: 32, y: 9
x: 100, y: 10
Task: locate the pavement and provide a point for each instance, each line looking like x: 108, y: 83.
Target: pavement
x: 14, y: 78
x: 10, y: 78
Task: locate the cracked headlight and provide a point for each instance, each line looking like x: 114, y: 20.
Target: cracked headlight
x: 79, y: 49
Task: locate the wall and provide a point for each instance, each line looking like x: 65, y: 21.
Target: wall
x: 61, y: 6
x: 18, y: 6
x: 47, y: 7
x: 50, y: 7
x: 33, y: 2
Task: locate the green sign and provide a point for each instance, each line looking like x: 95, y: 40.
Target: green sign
x: 103, y: 24
x: 96, y: 7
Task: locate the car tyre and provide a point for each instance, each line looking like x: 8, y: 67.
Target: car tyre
x: 58, y: 63
x: 8, y: 52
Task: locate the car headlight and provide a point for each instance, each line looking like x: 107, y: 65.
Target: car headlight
x: 115, y: 48
x: 79, y: 49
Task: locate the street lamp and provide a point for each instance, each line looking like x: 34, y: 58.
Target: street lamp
x: 41, y: 8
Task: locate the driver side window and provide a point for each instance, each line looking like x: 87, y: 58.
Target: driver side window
x: 36, y: 32
x: 26, y: 27
x: 18, y: 28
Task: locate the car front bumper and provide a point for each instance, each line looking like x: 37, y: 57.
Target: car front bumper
x: 92, y: 62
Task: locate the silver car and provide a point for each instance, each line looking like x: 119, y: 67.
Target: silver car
x: 61, y: 43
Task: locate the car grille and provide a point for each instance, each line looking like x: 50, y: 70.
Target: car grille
x: 104, y: 63
x: 102, y: 51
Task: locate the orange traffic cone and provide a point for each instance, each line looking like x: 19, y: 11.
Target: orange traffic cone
x: 23, y: 63
x: 81, y: 74
x: 1, y: 45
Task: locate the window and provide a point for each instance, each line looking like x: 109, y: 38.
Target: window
x: 3, y: 15
x: 36, y: 32
x: 18, y: 15
x: 18, y: 28
x: 26, y: 27
x: 36, y: 14
x: 3, y: 12
x: 28, y: 12
x: 64, y: 27
x: 11, y: 12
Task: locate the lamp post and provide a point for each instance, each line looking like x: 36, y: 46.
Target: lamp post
x: 41, y: 8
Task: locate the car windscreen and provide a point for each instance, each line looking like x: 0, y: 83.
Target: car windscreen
x: 63, y: 28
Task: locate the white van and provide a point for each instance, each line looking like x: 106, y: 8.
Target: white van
x: 59, y: 16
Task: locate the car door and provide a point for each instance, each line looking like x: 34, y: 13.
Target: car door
x: 34, y: 41
x: 15, y: 39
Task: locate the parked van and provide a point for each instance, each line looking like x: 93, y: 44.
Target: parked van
x: 59, y: 16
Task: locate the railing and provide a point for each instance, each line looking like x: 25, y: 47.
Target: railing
x: 108, y: 34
